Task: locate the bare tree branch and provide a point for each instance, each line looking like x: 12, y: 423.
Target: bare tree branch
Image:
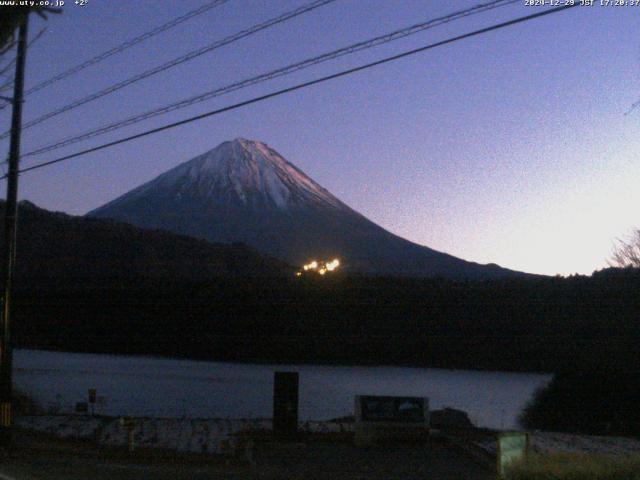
x: 626, y: 252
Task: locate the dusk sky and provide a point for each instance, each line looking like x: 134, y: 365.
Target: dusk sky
x: 512, y: 147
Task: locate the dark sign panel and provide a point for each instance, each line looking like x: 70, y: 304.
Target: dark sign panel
x: 392, y: 409
x: 285, y: 403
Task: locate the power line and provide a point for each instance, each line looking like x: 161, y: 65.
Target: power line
x: 12, y: 43
x: 9, y: 64
x: 127, y: 44
x: 177, y: 61
x: 6, y: 85
x: 300, y: 86
x: 4, y: 71
x: 398, y: 34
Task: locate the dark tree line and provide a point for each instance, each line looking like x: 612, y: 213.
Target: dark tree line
x: 542, y: 324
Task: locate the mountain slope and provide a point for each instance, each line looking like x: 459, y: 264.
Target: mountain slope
x: 55, y: 247
x: 245, y: 191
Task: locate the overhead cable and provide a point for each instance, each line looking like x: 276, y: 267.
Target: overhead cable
x: 125, y: 45
x: 172, y: 63
x: 10, y: 63
x: 356, y: 47
x: 299, y: 86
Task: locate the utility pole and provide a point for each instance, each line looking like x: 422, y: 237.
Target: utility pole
x: 9, y: 246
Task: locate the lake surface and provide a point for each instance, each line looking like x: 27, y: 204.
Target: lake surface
x: 143, y: 386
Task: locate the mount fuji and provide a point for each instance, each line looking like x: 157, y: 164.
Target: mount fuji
x: 244, y: 191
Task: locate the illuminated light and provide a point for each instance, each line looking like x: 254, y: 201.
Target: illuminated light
x: 320, y: 266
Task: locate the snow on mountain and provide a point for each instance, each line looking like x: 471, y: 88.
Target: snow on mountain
x: 241, y: 170
x: 244, y: 191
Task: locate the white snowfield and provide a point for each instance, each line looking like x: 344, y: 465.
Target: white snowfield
x: 555, y: 442
x: 547, y: 442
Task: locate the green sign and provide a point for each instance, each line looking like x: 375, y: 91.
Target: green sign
x: 512, y: 447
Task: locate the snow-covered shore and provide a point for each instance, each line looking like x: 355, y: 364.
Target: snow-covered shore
x: 219, y: 436
x: 556, y: 442
x: 199, y: 435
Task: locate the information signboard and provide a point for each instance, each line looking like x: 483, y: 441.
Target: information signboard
x: 383, y: 419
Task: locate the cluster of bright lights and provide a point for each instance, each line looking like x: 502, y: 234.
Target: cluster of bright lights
x: 321, y: 268
x: 310, y: 266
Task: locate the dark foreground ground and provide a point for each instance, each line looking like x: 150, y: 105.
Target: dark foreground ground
x: 37, y: 457
x: 341, y: 461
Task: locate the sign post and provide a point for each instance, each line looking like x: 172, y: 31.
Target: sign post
x: 92, y: 400
x: 512, y: 447
x: 285, y: 404
x: 129, y: 424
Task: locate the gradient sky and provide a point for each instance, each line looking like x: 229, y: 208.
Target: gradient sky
x: 512, y: 147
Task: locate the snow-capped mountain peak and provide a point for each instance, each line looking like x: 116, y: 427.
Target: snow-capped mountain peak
x: 244, y: 191
x: 248, y: 172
